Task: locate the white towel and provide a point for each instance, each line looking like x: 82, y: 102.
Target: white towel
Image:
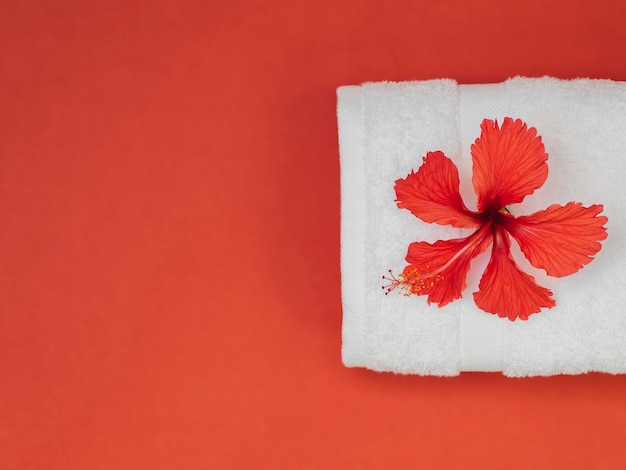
x: 384, y: 131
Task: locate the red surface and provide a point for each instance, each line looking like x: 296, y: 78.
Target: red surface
x: 169, y: 251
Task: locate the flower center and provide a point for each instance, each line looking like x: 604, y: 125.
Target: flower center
x: 494, y: 215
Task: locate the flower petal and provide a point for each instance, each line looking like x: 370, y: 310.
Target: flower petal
x: 560, y: 239
x: 432, y: 194
x: 509, y: 163
x: 439, y: 270
x: 504, y: 289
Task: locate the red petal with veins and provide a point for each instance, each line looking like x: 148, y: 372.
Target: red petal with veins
x: 509, y: 163
x: 439, y: 270
x: 560, y: 239
x: 432, y: 194
x: 504, y: 289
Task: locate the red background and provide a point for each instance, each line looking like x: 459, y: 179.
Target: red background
x: 169, y: 242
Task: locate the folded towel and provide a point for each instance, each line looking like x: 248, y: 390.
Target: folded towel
x: 384, y: 131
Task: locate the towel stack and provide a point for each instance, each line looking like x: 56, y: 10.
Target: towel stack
x: 384, y: 131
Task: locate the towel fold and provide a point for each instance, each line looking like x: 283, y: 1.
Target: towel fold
x: 384, y: 131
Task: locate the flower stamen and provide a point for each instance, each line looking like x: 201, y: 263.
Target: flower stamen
x: 395, y: 283
x: 413, y: 281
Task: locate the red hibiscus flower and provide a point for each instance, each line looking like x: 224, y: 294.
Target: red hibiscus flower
x: 509, y: 164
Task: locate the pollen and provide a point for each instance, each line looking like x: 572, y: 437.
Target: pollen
x: 415, y: 280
